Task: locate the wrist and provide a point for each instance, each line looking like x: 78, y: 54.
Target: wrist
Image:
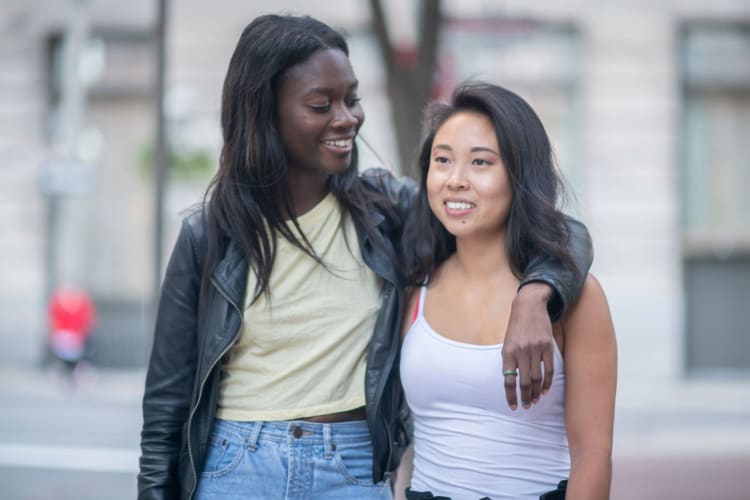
x: 534, y: 293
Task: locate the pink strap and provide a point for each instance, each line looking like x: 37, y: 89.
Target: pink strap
x: 416, y: 311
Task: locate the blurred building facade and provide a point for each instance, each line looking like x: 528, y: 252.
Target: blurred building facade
x: 647, y: 103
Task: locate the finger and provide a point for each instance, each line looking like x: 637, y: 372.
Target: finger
x: 524, y: 379
x: 509, y: 381
x: 548, y: 358
x: 535, y: 370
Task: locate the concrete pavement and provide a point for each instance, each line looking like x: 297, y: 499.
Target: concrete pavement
x: 688, y: 441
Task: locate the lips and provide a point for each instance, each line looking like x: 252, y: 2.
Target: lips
x: 459, y: 205
x: 458, y: 208
x: 343, y: 144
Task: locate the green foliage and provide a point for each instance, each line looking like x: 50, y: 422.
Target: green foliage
x: 181, y: 165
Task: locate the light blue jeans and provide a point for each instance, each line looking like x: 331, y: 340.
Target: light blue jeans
x: 290, y: 460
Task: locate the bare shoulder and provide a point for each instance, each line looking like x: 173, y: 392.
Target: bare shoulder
x: 592, y: 294
x: 591, y: 308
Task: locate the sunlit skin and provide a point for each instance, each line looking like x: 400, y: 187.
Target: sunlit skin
x: 470, y: 295
x: 468, y: 187
x: 469, y: 191
x: 319, y: 115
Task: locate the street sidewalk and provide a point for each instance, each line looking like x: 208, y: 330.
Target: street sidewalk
x: 105, y: 386
x: 688, y: 440
x: 690, y: 418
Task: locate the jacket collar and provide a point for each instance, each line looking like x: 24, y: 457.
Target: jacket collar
x: 376, y: 218
x: 231, y: 275
x: 377, y: 262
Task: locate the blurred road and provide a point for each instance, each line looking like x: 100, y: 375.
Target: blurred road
x: 82, y: 443
x: 62, y: 442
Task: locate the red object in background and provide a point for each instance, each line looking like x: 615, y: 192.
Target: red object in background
x: 71, y: 317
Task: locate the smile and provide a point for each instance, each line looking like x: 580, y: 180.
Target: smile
x: 339, y: 143
x: 459, y: 205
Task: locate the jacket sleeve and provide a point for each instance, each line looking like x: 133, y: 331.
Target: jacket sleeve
x: 171, y: 372
x: 565, y: 282
x: 402, y: 191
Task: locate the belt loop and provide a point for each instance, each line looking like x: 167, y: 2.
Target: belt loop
x: 252, y: 440
x: 328, y: 441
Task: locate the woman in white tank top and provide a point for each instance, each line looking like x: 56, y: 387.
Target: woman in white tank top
x: 488, y: 206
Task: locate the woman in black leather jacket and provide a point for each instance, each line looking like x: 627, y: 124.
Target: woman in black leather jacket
x: 290, y: 115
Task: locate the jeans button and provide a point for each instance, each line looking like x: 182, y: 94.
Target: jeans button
x: 297, y: 432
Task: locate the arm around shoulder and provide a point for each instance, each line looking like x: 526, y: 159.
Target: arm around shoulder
x: 402, y: 191
x: 566, y: 282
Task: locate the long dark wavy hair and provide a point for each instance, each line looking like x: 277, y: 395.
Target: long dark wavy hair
x: 249, y: 199
x: 536, y: 227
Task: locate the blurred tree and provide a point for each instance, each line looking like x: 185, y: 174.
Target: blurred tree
x: 410, y: 76
x: 182, y: 164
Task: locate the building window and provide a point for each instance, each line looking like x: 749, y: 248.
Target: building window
x: 539, y: 61
x: 715, y: 164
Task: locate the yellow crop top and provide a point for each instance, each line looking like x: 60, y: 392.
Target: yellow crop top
x: 303, y: 352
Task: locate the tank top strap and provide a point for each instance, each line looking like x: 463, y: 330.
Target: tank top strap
x: 420, y: 306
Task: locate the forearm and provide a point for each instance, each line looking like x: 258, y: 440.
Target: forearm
x: 161, y: 440
x: 590, y: 476
x: 533, y: 295
x: 158, y: 477
x: 403, y: 474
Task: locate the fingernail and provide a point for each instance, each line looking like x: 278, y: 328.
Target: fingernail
x: 513, y: 407
x: 526, y: 406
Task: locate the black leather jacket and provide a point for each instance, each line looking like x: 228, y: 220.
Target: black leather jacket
x: 182, y: 384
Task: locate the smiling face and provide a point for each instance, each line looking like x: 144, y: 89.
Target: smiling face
x: 318, y: 115
x: 468, y: 187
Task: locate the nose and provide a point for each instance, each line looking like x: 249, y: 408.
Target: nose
x: 457, y: 179
x: 345, y: 118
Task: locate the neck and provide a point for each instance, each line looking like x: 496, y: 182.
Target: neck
x: 482, y: 258
x: 307, y: 191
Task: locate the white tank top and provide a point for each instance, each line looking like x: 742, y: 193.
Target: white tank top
x: 468, y: 443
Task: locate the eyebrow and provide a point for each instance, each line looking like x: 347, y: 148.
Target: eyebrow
x: 329, y: 90
x: 475, y: 149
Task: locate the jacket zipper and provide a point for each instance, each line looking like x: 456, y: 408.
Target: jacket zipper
x: 386, y: 472
x: 203, y: 384
x: 381, y: 385
x: 389, y: 363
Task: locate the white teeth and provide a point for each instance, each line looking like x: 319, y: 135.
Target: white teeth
x: 345, y: 143
x: 458, y: 205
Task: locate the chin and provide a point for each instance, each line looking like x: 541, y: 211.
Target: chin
x: 334, y: 169
x: 467, y: 230
x: 458, y: 230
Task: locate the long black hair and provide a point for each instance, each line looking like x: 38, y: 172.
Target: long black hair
x: 249, y: 199
x: 536, y: 227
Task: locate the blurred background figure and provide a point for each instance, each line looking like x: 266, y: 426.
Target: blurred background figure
x: 71, y: 316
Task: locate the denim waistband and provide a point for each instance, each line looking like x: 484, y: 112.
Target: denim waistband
x: 299, y: 431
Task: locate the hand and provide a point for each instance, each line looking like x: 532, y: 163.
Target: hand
x: 402, y: 475
x: 529, y: 342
